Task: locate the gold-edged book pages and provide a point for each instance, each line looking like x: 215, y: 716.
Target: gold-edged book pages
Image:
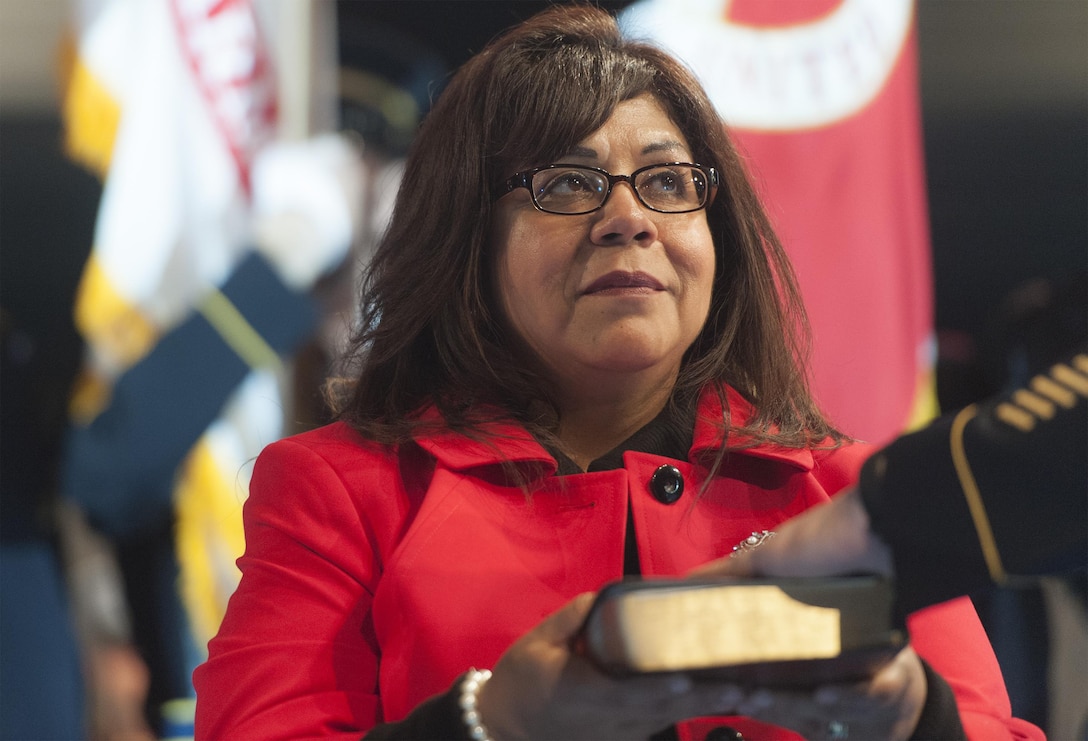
x: 793, y: 632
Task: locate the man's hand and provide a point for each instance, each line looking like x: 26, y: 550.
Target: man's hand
x: 833, y: 538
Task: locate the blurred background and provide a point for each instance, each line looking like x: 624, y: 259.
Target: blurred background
x: 1003, y: 90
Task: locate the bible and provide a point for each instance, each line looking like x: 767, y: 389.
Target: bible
x: 756, y: 632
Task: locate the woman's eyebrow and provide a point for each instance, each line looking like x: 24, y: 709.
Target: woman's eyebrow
x: 664, y: 146
x: 667, y: 145
x: 580, y: 151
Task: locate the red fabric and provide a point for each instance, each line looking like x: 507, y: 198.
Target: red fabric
x: 984, y: 703
x: 778, y: 12
x: 849, y: 201
x: 371, y: 580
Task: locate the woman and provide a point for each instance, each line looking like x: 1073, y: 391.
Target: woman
x: 549, y: 358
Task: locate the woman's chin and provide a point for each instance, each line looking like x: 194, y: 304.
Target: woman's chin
x: 625, y: 364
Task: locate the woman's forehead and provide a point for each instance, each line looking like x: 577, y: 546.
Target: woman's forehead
x: 640, y: 127
x: 643, y: 123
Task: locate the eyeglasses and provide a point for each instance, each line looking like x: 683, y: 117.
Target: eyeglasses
x: 571, y: 190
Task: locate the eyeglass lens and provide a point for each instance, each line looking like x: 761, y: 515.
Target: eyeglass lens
x: 575, y: 190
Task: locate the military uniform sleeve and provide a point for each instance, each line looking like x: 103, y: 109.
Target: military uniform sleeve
x: 997, y: 491
x: 121, y: 466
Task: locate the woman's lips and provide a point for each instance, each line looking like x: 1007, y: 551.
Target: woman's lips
x: 620, y: 281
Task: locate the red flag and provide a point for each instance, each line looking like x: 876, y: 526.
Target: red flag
x: 822, y: 99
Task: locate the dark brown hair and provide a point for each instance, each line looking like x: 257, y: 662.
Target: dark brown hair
x: 432, y: 330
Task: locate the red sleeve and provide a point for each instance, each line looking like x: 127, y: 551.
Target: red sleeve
x: 290, y: 660
x: 951, y: 638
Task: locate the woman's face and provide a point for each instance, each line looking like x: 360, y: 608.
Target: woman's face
x: 615, y: 293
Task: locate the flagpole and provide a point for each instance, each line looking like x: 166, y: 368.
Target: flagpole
x: 294, y: 66
x: 306, y: 63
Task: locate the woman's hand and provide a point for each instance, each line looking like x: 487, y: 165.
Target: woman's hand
x: 541, y: 689
x: 833, y: 538
x: 886, y: 707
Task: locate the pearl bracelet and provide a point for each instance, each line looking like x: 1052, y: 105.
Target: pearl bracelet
x: 470, y: 716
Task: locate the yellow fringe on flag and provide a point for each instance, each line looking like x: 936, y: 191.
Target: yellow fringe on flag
x: 91, y: 115
x: 925, y: 407
x: 108, y: 321
x: 209, y: 522
x: 91, y: 394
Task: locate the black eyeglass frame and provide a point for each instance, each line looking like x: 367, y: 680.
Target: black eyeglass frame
x: 524, y: 179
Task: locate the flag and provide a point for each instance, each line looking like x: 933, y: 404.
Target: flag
x: 170, y: 101
x: 821, y: 98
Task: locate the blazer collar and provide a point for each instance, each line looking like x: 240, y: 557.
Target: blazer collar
x: 708, y: 432
x: 504, y: 440
x: 501, y: 440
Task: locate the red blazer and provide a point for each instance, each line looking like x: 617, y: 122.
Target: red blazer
x: 373, y: 577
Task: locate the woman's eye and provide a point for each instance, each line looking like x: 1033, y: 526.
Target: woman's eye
x: 665, y: 182
x: 568, y: 183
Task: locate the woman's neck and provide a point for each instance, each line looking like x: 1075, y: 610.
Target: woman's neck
x: 589, y: 428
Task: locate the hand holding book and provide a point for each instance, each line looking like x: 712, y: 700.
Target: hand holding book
x: 820, y: 656
x: 833, y: 538
x: 546, y: 686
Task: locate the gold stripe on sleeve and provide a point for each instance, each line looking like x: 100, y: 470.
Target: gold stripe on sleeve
x: 1045, y: 386
x: 971, y: 493
x: 1071, y: 378
x: 238, y: 333
x: 1014, y: 416
x: 1038, y: 405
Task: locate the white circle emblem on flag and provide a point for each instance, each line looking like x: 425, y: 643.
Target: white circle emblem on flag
x: 780, y: 78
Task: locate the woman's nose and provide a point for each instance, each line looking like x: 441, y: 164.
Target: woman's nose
x: 623, y: 219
